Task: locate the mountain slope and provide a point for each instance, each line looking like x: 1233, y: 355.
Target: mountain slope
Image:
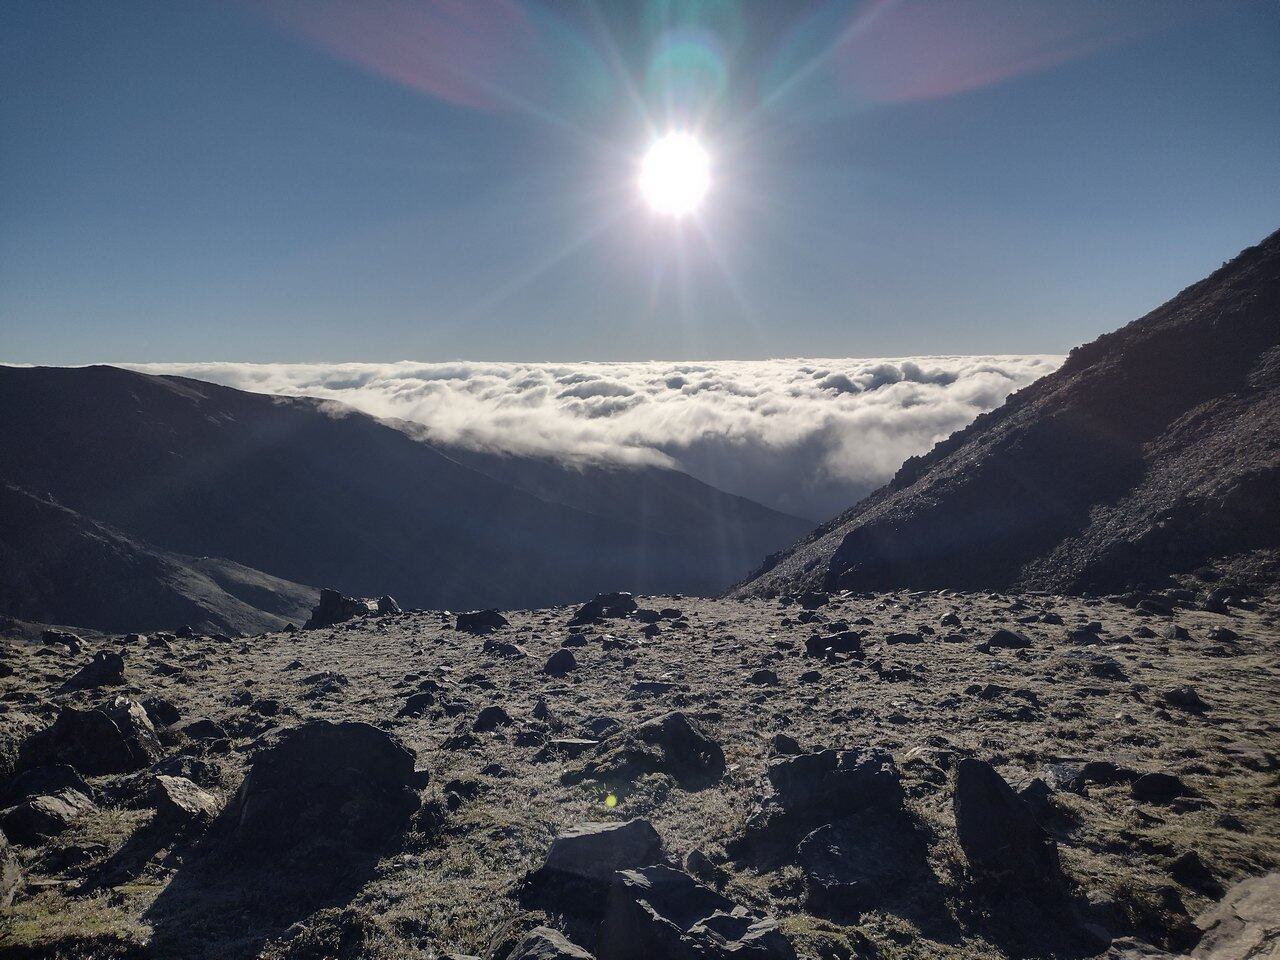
x: 1151, y: 451
x: 57, y: 566
x: 652, y: 497
x: 317, y: 493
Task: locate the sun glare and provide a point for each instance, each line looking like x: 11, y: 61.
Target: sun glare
x: 675, y: 175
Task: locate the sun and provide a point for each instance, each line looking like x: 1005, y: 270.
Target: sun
x: 675, y: 175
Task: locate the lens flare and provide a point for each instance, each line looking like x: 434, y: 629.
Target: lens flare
x: 675, y: 175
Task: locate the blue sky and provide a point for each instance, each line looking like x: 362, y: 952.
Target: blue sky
x: 184, y: 181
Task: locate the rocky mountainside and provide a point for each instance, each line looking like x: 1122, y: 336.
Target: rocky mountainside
x: 59, y: 567
x: 898, y: 776
x: 1153, y: 451
x: 316, y: 493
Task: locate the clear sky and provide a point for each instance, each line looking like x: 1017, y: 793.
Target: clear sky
x: 435, y: 179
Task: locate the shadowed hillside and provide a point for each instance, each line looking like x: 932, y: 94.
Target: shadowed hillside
x: 1152, y: 451
x: 61, y: 567
x: 317, y: 493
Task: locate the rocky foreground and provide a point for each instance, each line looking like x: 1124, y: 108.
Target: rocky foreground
x: 928, y: 774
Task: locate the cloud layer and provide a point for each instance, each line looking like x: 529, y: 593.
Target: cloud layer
x: 809, y: 437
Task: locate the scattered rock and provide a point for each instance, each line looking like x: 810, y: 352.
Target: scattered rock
x: 69, y: 640
x: 43, y: 780
x: 326, y: 795
x: 896, y: 638
x: 582, y: 861
x: 662, y: 912
x: 1074, y: 777
x: 161, y: 712
x: 37, y: 818
x: 417, y: 704
x: 845, y: 641
x: 1158, y: 788
x: 97, y: 742
x: 179, y: 802
x: 819, y: 787
x: 491, y: 718
x: 1008, y: 640
x: 1185, y: 698
x: 605, y: 605
x: 481, y: 622
x: 813, y: 599
x: 560, y: 663
x: 203, y: 728
x: 543, y: 943
x: 106, y: 669
x: 783, y: 745
x: 672, y: 744
x: 334, y: 608
x: 999, y: 833
x: 503, y: 648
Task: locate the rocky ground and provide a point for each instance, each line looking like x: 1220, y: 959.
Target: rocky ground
x: 927, y: 774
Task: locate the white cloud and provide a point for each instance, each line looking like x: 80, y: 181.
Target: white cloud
x: 806, y: 436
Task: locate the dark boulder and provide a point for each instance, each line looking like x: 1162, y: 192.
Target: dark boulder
x: 605, y: 605
x: 162, y: 712
x: 1158, y: 788
x: 481, y: 621
x: 843, y: 641
x: 1074, y: 777
x: 334, y: 608
x: 43, y: 780
x: 582, y: 861
x: 106, y: 669
x: 784, y: 745
x: 560, y: 663
x: 1185, y: 698
x: 859, y: 863
x: 841, y: 816
x: 115, y: 739
x: 1008, y: 640
x: 416, y: 704
x: 36, y: 819
x: 815, y: 788
x: 999, y: 833
x: 672, y: 744
x: 896, y: 638
x: 491, y: 718
x: 813, y: 599
x: 69, y: 640
x: 662, y: 912
x: 202, y: 728
x: 504, y: 649
x: 327, y: 795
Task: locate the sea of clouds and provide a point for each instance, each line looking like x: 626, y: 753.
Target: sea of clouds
x: 809, y: 437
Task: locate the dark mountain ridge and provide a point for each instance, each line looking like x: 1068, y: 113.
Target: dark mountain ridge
x: 1152, y: 451
x: 317, y: 493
